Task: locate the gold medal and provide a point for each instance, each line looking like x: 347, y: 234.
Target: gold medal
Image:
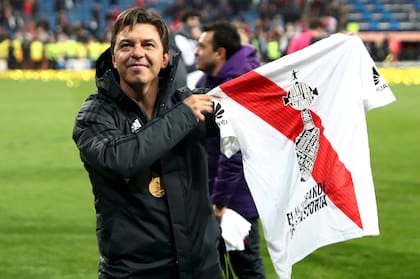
x: 156, y: 189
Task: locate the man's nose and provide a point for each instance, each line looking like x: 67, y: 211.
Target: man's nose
x: 138, y: 51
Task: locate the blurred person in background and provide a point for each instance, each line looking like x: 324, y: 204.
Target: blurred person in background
x: 186, y: 37
x: 315, y: 32
x: 222, y: 57
x: 143, y: 143
x: 5, y: 45
x: 36, y: 49
x: 273, y: 45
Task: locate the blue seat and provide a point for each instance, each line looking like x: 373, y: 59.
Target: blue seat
x: 373, y: 25
x: 394, y: 25
x: 359, y: 7
x: 366, y: 15
x: 386, y: 15
x: 379, y: 7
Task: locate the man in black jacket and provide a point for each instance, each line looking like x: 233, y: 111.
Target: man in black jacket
x: 143, y: 144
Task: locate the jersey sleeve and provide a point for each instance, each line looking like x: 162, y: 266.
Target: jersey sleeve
x: 378, y: 92
x: 229, y: 143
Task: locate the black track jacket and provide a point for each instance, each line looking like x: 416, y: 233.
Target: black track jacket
x: 140, y: 235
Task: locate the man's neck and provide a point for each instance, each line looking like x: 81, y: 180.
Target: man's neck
x: 145, y: 96
x: 217, y: 69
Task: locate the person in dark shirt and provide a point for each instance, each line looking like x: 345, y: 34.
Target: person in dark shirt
x: 143, y: 144
x: 222, y: 57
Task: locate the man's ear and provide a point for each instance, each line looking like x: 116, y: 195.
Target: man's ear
x: 221, y: 52
x: 166, y: 58
x: 113, y: 60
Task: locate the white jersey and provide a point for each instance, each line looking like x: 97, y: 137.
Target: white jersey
x: 300, y: 124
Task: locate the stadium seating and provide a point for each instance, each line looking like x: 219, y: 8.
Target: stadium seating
x: 371, y: 15
x: 81, y: 11
x: 385, y: 15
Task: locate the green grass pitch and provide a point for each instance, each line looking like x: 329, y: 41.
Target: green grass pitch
x: 47, y: 219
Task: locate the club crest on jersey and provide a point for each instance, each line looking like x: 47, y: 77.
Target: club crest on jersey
x: 300, y: 97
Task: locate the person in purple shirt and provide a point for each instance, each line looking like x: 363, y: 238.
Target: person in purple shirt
x: 222, y: 57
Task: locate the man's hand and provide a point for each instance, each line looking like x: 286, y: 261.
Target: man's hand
x: 200, y: 104
x: 219, y: 211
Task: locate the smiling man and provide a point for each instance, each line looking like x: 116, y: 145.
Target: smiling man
x: 142, y: 142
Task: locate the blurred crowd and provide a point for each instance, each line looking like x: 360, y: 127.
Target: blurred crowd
x: 28, y: 39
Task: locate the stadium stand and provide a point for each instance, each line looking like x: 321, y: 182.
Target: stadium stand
x: 385, y: 15
x: 81, y: 11
x: 395, y: 24
x: 371, y: 15
x: 390, y: 28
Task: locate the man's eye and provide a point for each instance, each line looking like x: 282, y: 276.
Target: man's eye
x: 149, y: 45
x: 125, y: 45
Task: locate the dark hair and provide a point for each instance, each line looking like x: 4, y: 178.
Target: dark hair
x: 132, y: 16
x: 226, y: 35
x: 315, y: 23
x: 190, y: 13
